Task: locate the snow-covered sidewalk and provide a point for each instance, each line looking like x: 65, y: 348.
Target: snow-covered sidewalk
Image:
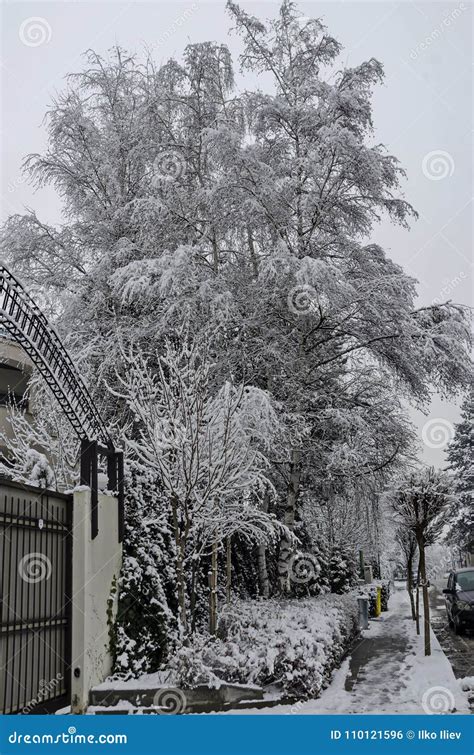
x: 387, y: 673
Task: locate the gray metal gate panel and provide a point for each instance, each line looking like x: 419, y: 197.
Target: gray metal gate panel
x: 35, y: 582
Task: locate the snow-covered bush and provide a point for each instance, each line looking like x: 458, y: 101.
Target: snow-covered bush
x: 342, y: 571
x: 314, y: 553
x: 37, y: 469
x: 295, y: 644
x: 385, y: 594
x: 146, y: 625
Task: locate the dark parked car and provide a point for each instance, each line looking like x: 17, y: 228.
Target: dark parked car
x: 460, y: 599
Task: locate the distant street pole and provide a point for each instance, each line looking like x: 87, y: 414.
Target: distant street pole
x: 361, y: 564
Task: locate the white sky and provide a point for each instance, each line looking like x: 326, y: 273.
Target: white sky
x: 425, y: 106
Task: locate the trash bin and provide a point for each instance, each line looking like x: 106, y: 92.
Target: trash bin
x: 363, y: 613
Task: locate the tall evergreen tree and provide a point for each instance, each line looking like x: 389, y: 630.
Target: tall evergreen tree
x: 461, y: 462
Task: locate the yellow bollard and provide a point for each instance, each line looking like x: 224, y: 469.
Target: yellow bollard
x: 378, y: 602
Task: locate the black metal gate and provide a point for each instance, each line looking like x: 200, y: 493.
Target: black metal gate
x: 35, y: 581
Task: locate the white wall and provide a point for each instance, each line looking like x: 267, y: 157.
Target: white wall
x: 96, y: 568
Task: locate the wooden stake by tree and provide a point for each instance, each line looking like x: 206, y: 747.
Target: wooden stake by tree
x: 407, y: 542
x: 417, y: 606
x: 228, y: 569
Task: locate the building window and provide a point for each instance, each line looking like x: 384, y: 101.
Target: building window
x: 13, y: 384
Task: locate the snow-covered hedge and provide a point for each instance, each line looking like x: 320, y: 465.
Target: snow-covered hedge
x: 295, y: 644
x: 146, y: 625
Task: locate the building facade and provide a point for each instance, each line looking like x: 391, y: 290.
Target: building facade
x: 15, y: 371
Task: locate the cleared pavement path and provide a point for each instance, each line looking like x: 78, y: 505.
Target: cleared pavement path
x: 387, y: 672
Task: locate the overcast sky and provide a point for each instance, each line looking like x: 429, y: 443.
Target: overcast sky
x: 423, y: 112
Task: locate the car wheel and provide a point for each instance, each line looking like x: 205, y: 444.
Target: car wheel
x: 458, y: 628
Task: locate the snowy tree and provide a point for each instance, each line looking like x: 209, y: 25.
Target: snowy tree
x: 248, y: 215
x: 419, y: 502
x: 40, y: 447
x: 314, y: 188
x: 204, y: 450
x: 461, y: 463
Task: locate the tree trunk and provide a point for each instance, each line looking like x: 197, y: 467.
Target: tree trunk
x: 263, y: 578
x: 181, y: 590
x: 426, y: 604
x: 228, y: 569
x: 418, y: 600
x: 215, y: 252
x: 263, y: 571
x: 193, y: 596
x: 410, y: 587
x: 253, y: 256
x: 213, y: 590
x: 180, y: 555
x: 286, y: 546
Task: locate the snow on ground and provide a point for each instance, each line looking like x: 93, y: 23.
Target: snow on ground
x: 400, y: 680
x: 386, y: 673
x: 295, y: 643
x: 147, y: 681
